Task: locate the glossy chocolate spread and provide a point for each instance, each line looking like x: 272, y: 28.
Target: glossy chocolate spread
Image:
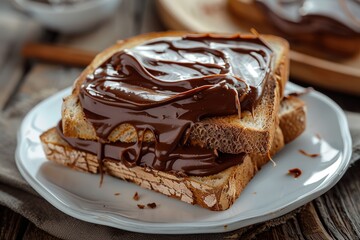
x: 166, y: 85
x: 197, y: 161
x: 296, y: 17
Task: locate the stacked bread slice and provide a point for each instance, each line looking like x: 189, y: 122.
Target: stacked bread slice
x: 258, y: 134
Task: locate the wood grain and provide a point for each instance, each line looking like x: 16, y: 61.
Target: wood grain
x: 311, y: 225
x: 339, y: 208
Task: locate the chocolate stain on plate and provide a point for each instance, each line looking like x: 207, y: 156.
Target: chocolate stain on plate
x: 295, y: 172
x: 312, y: 155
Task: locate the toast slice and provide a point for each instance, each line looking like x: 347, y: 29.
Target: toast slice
x: 215, y: 192
x: 253, y: 133
x: 255, y: 14
x: 292, y: 116
x: 292, y: 122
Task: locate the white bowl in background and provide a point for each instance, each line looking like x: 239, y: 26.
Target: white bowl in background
x: 72, y: 18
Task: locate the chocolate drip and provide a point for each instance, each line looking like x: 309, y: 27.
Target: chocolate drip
x: 165, y: 86
x: 297, y: 17
x: 188, y: 160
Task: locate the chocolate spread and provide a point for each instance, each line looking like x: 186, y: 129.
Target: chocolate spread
x: 297, y: 17
x: 166, y: 85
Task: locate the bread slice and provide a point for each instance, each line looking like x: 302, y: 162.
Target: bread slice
x: 227, y: 134
x: 292, y: 117
x: 292, y: 122
x: 252, y: 13
x: 216, y: 192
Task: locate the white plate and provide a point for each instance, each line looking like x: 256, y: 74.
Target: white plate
x: 270, y: 194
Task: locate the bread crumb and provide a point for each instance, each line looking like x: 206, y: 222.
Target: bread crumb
x: 295, y: 172
x: 151, y: 205
x: 312, y: 155
x: 225, y: 226
x: 234, y: 236
x: 269, y: 156
x: 136, y: 196
x: 117, y: 194
x: 141, y: 206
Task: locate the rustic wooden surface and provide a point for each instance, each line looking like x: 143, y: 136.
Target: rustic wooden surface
x: 335, y: 215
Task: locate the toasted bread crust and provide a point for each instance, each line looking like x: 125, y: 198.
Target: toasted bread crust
x: 292, y: 117
x: 216, y: 192
x: 227, y: 134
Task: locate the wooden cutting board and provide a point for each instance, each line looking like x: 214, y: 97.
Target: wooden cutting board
x: 212, y: 16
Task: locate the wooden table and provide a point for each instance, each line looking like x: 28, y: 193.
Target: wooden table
x: 336, y: 214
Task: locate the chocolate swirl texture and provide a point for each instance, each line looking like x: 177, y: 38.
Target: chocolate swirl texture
x: 166, y: 85
x: 296, y: 17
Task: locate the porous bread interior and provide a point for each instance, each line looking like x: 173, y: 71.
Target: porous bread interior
x: 227, y: 134
x: 289, y: 104
x: 215, y: 192
x: 292, y: 117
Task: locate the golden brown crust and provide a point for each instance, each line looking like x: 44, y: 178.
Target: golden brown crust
x: 292, y: 118
x: 259, y: 133
x: 216, y: 192
x: 245, y: 135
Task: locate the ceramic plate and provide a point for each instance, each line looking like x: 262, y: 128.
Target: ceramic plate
x: 270, y: 194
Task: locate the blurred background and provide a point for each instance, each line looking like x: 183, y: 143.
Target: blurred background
x: 55, y: 39
x: 46, y: 45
